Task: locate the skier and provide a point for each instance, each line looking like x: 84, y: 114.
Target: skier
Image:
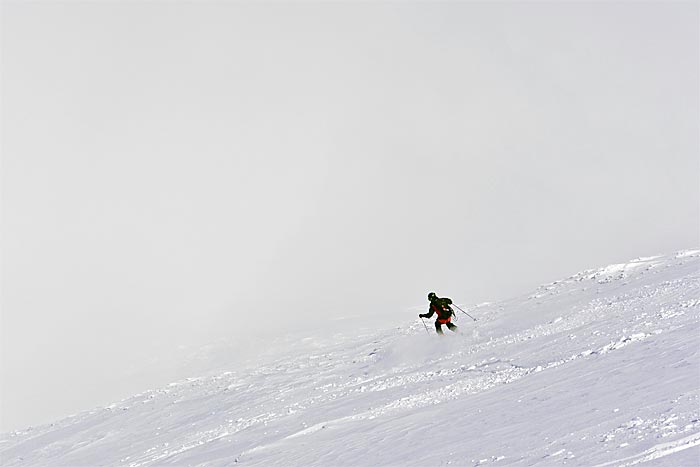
x: 441, y: 306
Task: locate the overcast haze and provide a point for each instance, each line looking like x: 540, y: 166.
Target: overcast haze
x: 178, y: 173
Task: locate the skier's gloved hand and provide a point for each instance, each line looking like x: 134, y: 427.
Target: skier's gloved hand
x: 421, y: 315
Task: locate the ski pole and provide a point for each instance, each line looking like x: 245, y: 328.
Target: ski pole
x: 465, y: 312
x: 426, y: 327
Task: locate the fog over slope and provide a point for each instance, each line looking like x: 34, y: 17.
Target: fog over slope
x: 181, y: 172
x: 598, y: 369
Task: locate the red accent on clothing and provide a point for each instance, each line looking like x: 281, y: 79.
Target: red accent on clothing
x: 440, y: 320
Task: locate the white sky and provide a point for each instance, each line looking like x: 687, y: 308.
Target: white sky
x: 179, y: 172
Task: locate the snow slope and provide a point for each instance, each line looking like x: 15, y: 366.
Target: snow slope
x: 599, y: 369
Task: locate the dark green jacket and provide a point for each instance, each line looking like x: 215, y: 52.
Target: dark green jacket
x: 441, y: 306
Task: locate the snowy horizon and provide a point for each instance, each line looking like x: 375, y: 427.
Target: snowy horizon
x: 600, y: 368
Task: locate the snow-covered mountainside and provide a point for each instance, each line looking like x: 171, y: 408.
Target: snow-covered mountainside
x: 599, y: 369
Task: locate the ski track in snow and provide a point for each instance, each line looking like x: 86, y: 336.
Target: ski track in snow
x: 656, y: 452
x: 598, y: 369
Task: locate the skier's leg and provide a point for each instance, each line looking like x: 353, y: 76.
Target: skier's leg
x: 438, y: 327
x: 451, y: 327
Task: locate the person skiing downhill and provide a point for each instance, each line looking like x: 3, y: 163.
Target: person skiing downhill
x: 441, y: 306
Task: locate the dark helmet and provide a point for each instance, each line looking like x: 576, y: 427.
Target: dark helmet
x: 432, y: 296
